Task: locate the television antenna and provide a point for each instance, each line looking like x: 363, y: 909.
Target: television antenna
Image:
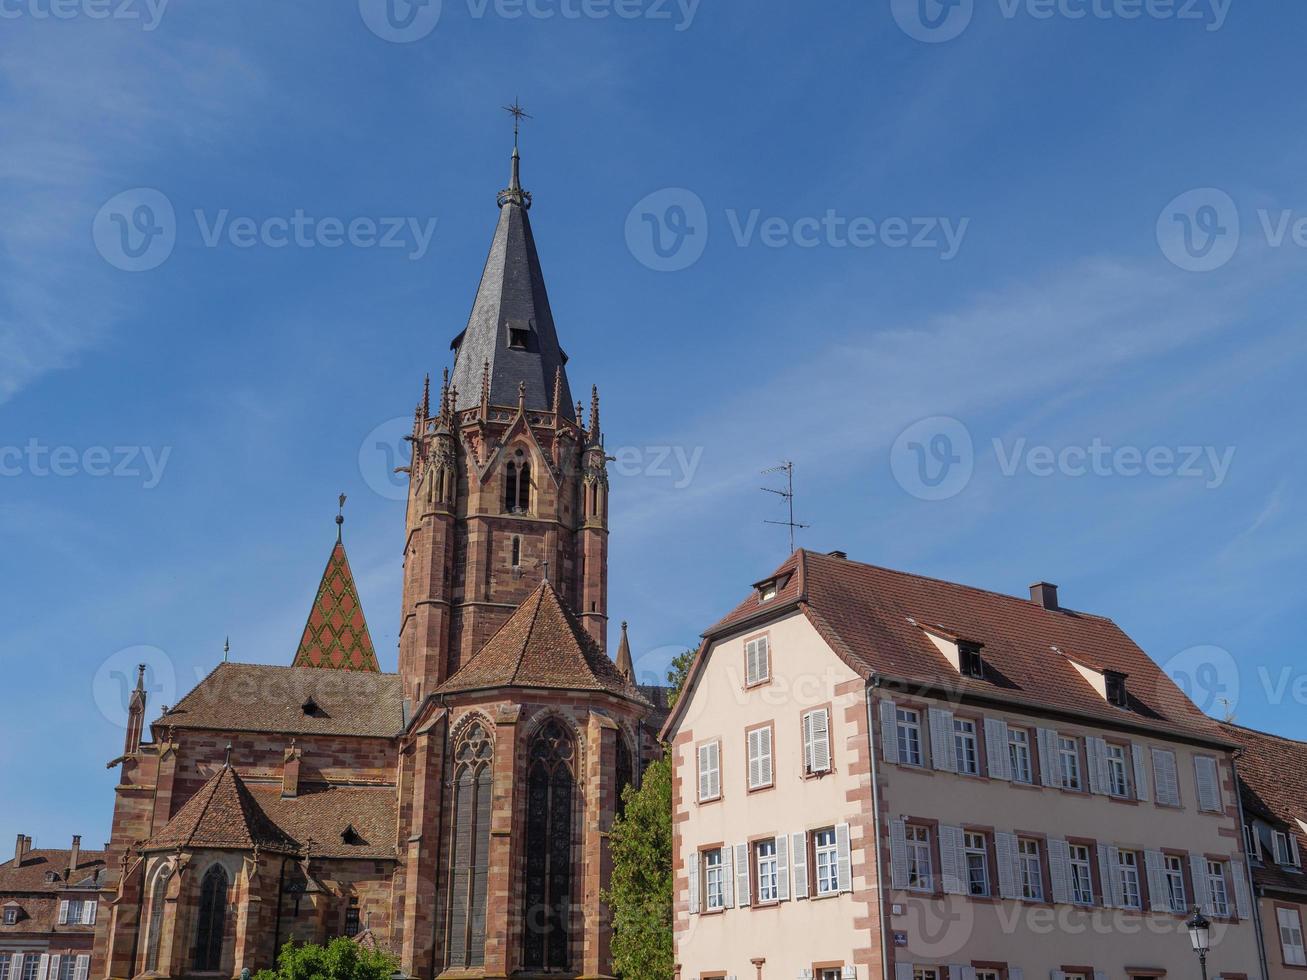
x: 787, y: 468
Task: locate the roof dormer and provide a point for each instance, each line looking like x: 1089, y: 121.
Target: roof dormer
x: 1110, y: 684
x: 768, y: 588
x: 962, y: 652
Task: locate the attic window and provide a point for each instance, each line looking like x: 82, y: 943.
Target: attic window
x: 518, y: 338
x: 971, y: 663
x: 11, y: 916
x: 1116, y: 692
x: 767, y: 591
x: 351, y: 837
x: 52, y: 876
x: 311, y: 708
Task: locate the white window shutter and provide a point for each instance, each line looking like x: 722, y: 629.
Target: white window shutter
x: 54, y: 967
x: 88, y: 912
x: 807, y: 743
x: 1207, y: 775
x: 742, y: 875
x: 1242, y: 893
x: 1015, y: 973
x: 728, y: 879
x: 816, y: 735
x: 83, y: 967
x: 898, y: 849
x: 849, y: 972
x: 799, y: 848
x: 902, y: 971
x: 1047, y: 741
x: 782, y: 868
x: 63, y: 912
x: 1100, y: 975
x: 951, y: 860
x: 705, y: 783
x: 889, y: 731
x: 1059, y: 867
x: 16, y: 967
x: 1096, y: 754
x: 767, y: 764
x: 941, y: 740
x: 1165, y: 779
x: 1141, y: 773
x: 844, y: 853
x: 955, y: 971
x: 1000, y: 762
x: 1159, y: 894
x: 1202, y: 889
x: 1118, y: 882
x: 692, y: 872
x: 1056, y: 975
x: 968, y: 973
x: 1293, y: 849
x: 1106, y: 877
x: 1005, y: 849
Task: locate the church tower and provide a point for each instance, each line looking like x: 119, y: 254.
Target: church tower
x: 508, y: 488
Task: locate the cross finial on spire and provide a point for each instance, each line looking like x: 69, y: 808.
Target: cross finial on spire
x: 518, y: 114
x: 340, y: 517
x: 514, y: 194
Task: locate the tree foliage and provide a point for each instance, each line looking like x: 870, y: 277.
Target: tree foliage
x: 342, y: 959
x: 677, y: 675
x: 640, y: 896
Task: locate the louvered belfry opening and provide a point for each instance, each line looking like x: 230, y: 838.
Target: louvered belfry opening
x: 211, y: 923
x: 547, y: 905
x: 469, y: 859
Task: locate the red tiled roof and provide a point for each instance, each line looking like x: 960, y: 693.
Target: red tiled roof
x: 542, y: 646
x: 260, y: 698
x: 336, y: 635
x: 323, y: 815
x: 223, y: 814
x: 1273, y: 786
x: 873, y: 619
x: 31, y: 875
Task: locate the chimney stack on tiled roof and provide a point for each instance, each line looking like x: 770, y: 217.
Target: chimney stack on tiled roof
x: 1044, y: 594
x: 290, y: 772
x: 20, y: 850
x: 74, y: 856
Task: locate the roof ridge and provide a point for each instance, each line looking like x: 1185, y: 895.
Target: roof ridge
x: 961, y: 585
x: 526, y: 637
x: 1257, y: 731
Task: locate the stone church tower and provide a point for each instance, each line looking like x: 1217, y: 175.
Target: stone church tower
x: 456, y: 813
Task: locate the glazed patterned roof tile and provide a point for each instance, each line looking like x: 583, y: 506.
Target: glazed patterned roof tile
x: 336, y: 635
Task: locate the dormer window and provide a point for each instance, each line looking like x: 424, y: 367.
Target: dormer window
x: 11, y: 915
x: 1116, y: 692
x: 351, y: 837
x: 311, y: 708
x: 767, y: 591
x: 971, y: 663
x: 519, y: 338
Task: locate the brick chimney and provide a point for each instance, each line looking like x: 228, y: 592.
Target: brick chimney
x: 74, y: 856
x: 1044, y: 594
x: 290, y: 772
x: 20, y: 850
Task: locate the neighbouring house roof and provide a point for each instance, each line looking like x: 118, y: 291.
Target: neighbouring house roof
x: 542, y: 645
x: 222, y: 815
x: 259, y: 698
x: 1273, y: 787
x: 32, y: 874
x: 873, y: 619
x: 336, y: 635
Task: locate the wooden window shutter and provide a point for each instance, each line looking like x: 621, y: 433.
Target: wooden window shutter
x: 692, y: 874
x: 799, y: 850
x: 742, y: 875
x: 889, y: 731
x: 844, y: 857
x: 782, y: 868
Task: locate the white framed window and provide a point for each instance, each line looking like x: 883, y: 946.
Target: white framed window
x: 920, y: 877
x: 830, y: 973
x: 966, y: 747
x: 66, y: 965
x: 710, y: 771
x: 764, y: 856
x: 1030, y: 865
x: 1217, y: 889
x: 1173, y: 871
x: 909, y: 736
x: 1068, y: 762
x: 4, y: 966
x: 760, y: 758
x: 925, y: 973
x: 816, y: 741
x: 11, y: 916
x: 1018, y: 744
x: 1082, y: 875
x: 1118, y: 770
x: 1253, y: 840
x: 714, y: 880
x: 826, y: 859
x: 757, y: 661
x: 1283, y: 853
x: 1291, y: 940
x: 976, y: 849
x: 988, y: 975
x: 31, y: 966
x: 1127, y: 866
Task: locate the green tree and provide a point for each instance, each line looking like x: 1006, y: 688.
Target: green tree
x: 342, y: 959
x: 640, y: 896
x: 677, y: 674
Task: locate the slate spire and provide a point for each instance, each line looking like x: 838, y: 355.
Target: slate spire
x: 511, y: 328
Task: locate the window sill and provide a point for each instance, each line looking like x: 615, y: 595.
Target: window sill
x: 761, y: 789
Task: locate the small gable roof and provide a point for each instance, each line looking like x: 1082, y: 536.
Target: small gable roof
x: 222, y: 815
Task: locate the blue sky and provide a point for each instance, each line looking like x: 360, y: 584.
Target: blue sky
x: 944, y: 403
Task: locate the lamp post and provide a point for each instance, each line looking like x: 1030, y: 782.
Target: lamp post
x: 1200, y: 936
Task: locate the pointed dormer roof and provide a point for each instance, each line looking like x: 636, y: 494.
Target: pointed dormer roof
x: 625, y: 665
x: 224, y: 815
x: 511, y: 328
x: 336, y: 635
x: 542, y: 646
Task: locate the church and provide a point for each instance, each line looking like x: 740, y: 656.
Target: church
x: 455, y: 814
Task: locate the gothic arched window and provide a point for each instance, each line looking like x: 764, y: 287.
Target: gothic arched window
x: 625, y: 772
x: 211, y: 922
x: 547, y: 903
x: 510, y: 487
x: 469, y: 857
x: 517, y: 485
x: 154, y: 932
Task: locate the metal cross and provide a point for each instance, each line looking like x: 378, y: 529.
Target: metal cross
x: 518, y: 114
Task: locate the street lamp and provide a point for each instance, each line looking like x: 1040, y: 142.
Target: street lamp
x: 1199, y: 935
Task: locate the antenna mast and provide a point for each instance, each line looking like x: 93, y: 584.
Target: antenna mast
x: 787, y: 468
